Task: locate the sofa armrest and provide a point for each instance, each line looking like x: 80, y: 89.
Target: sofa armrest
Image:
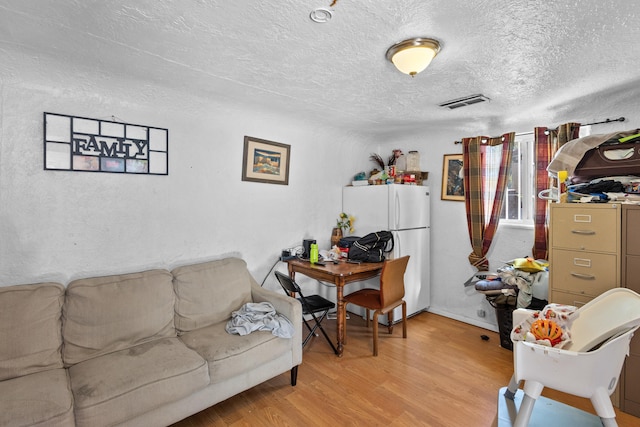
x: 285, y: 305
x: 288, y: 307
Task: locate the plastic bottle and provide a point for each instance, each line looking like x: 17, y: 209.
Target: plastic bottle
x: 401, y: 163
x: 313, y: 256
x: 413, y: 161
x: 562, y: 181
x: 562, y: 186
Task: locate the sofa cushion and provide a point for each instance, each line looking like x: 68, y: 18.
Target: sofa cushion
x: 207, y: 293
x: 40, y: 399
x: 115, y: 387
x: 30, y: 336
x: 230, y: 355
x: 111, y: 313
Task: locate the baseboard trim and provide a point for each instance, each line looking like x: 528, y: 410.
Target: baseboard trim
x: 474, y: 322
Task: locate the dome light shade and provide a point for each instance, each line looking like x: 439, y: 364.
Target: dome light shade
x: 414, y: 55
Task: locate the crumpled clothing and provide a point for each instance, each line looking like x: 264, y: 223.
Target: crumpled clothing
x: 604, y: 186
x: 259, y: 316
x: 624, y: 197
x: 523, y: 280
x: 561, y: 314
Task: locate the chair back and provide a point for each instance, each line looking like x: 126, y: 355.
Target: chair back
x: 290, y: 287
x: 392, y: 280
x: 610, y: 314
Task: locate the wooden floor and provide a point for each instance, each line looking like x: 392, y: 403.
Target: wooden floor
x: 443, y: 374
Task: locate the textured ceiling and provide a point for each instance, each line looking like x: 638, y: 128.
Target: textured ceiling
x: 528, y: 57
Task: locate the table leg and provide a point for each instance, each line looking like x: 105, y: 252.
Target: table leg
x: 341, y: 316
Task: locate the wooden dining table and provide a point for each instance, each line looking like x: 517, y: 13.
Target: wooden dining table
x: 338, y: 274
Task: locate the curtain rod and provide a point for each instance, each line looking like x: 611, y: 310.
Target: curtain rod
x: 619, y: 119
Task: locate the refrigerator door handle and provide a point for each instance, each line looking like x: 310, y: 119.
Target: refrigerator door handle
x: 397, y: 245
x: 397, y: 213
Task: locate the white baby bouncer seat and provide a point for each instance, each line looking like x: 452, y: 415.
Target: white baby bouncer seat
x: 587, y: 366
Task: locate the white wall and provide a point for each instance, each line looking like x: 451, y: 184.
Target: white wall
x: 59, y: 226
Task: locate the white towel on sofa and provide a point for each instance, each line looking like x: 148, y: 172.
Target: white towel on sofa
x: 259, y: 316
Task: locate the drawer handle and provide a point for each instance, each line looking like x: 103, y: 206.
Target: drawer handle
x: 583, y: 276
x: 584, y: 232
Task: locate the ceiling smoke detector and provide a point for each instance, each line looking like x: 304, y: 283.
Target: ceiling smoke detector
x: 321, y: 15
x: 463, y: 102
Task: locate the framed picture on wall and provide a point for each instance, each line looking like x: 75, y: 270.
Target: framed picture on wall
x: 452, y: 178
x: 83, y: 144
x: 265, y: 161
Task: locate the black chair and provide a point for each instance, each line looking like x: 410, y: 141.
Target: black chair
x: 310, y: 306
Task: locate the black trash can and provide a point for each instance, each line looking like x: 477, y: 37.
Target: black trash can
x: 504, y: 306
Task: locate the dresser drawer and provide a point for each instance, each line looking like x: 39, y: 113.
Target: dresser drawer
x: 632, y: 235
x: 631, y: 273
x: 585, y: 229
x: 567, y: 298
x: 634, y: 348
x: 631, y: 387
x: 583, y: 273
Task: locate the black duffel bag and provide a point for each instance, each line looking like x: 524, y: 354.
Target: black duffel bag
x: 372, y: 247
x: 347, y: 241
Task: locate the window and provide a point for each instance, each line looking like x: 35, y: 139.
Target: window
x: 517, y: 208
x: 519, y: 204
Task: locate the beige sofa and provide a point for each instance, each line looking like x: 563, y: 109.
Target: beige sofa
x: 139, y: 349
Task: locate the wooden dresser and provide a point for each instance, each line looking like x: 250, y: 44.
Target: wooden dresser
x: 630, y: 384
x: 584, y: 251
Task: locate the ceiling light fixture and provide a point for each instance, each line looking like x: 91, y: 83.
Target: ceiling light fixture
x: 414, y: 55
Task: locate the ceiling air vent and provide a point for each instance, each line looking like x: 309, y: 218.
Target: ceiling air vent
x: 463, y: 102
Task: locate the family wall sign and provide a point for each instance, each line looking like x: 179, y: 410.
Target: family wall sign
x: 92, y: 145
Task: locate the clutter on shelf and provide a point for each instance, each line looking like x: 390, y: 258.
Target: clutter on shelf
x: 398, y: 169
x: 596, y: 169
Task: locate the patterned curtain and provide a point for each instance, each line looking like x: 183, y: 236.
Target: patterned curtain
x: 547, y: 142
x: 486, y: 164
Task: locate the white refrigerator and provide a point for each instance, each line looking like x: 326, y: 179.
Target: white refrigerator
x: 403, y: 210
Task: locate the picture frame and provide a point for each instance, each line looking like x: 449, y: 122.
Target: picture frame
x: 84, y: 144
x: 452, y: 177
x: 265, y: 161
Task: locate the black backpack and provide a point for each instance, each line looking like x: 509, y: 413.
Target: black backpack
x: 372, y: 247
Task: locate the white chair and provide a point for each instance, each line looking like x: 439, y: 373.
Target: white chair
x: 589, y: 365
